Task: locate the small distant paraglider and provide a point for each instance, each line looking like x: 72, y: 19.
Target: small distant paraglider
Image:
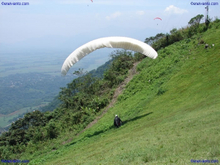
x: 157, y: 18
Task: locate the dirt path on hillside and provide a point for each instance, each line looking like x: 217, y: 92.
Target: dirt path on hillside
x: 117, y: 92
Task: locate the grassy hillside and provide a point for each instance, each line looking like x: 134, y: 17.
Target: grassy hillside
x: 170, y: 113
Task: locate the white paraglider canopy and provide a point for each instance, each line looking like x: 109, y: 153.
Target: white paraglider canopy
x: 109, y: 42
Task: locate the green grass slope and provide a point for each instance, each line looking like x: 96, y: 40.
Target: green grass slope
x: 170, y: 113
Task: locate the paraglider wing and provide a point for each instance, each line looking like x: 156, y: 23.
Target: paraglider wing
x: 158, y: 18
x: 109, y: 42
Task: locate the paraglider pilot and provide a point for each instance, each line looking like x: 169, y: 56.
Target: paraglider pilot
x: 117, y: 121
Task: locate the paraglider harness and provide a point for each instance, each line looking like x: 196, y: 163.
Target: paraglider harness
x: 117, y: 121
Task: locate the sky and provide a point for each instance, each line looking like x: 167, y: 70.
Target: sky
x: 64, y: 25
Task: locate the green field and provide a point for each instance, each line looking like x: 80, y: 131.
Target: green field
x: 170, y: 113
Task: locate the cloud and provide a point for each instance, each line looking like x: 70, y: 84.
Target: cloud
x: 113, y: 16
x: 175, y: 10
x: 140, y: 12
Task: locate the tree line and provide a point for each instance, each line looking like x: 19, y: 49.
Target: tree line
x: 194, y: 27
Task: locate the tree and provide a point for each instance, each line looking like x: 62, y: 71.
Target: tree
x: 195, y: 21
x: 52, y: 130
x: 152, y: 40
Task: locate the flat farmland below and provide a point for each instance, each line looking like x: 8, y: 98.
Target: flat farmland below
x: 50, y: 63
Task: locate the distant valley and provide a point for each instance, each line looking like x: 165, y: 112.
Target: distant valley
x: 29, y: 81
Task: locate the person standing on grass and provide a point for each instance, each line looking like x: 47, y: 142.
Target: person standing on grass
x: 117, y: 121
